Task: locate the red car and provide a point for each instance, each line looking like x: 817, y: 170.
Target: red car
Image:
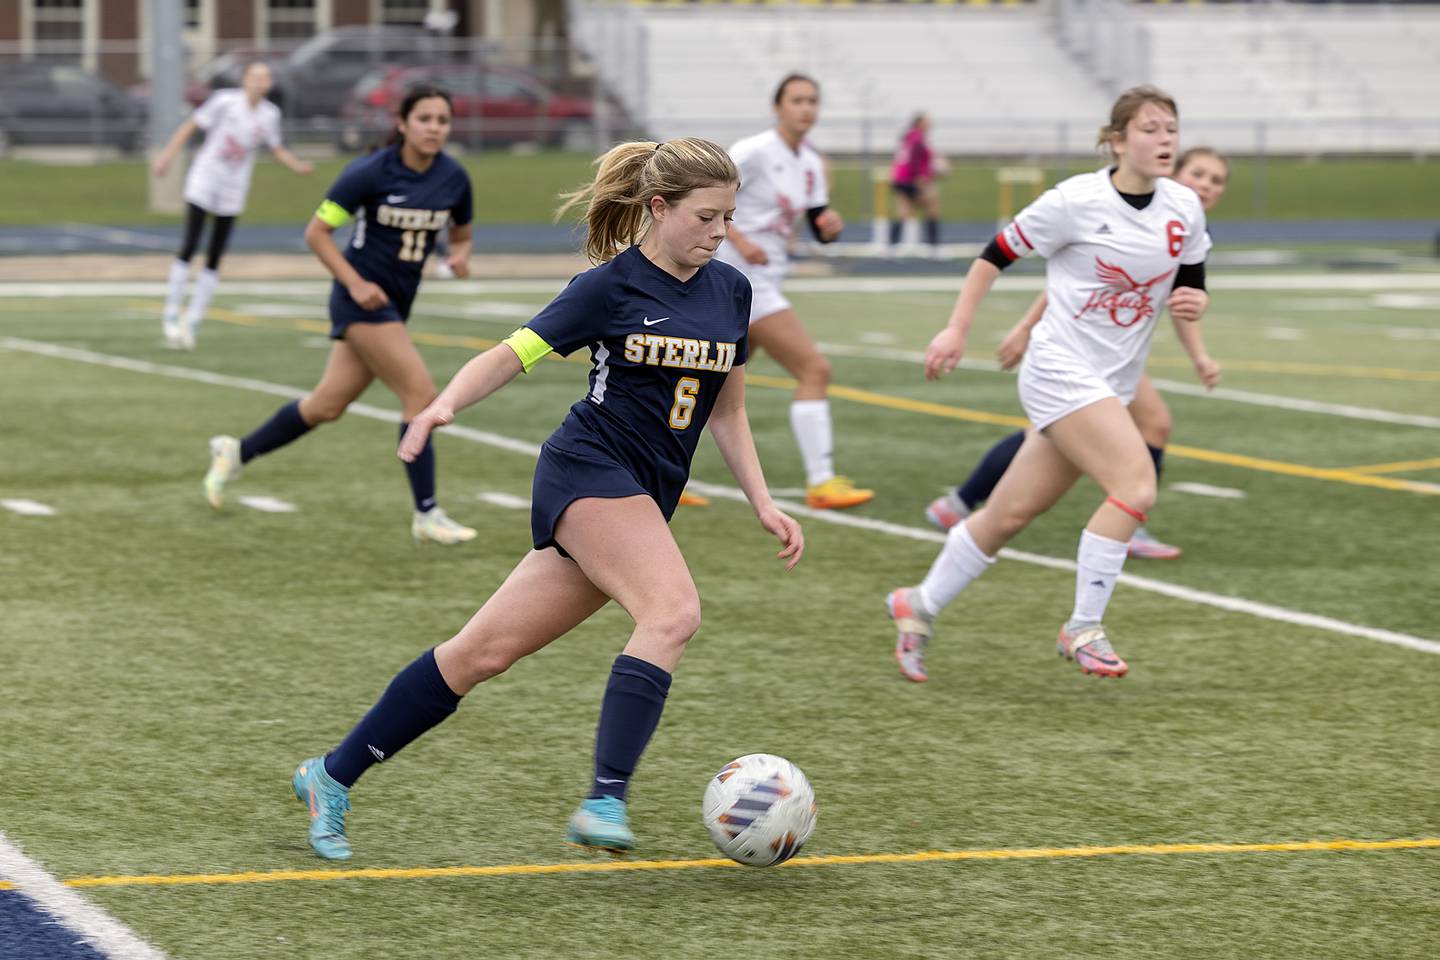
x: 494, y: 106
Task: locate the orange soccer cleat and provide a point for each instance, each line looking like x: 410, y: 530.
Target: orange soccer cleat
x: 837, y: 493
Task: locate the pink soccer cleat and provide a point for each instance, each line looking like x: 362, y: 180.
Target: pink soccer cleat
x: 1147, y: 547
x: 1091, y: 649
x: 946, y: 511
x: 912, y: 633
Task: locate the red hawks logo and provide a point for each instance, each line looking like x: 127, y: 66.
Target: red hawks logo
x: 1127, y: 301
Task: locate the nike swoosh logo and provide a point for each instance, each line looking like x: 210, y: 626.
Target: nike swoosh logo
x: 397, y: 198
x: 607, y: 780
x: 650, y: 323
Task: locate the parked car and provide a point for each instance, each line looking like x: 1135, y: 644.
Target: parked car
x: 43, y: 101
x: 494, y: 106
x: 317, y: 78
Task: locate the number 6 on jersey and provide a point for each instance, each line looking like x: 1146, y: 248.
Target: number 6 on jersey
x: 684, y: 407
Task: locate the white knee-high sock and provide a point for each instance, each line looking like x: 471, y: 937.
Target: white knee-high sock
x: 200, y: 299
x: 961, y: 560
x: 175, y: 292
x: 810, y: 419
x: 1097, y: 566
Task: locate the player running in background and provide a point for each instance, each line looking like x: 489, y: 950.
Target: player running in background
x: 400, y: 197
x: 237, y: 123
x: 1121, y: 244
x: 782, y: 178
x: 1206, y: 171
x: 666, y: 329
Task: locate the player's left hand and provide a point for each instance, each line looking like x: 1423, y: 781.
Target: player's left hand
x: 1187, y: 303
x: 304, y: 166
x: 944, y: 352
x: 1208, y: 370
x: 787, y: 531
x: 460, y: 266
x: 830, y: 225
x: 426, y: 422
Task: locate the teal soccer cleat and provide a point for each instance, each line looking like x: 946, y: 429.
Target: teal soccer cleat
x: 328, y: 803
x: 602, y: 822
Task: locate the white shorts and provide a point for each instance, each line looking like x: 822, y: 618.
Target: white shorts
x: 215, y: 196
x: 1054, y: 383
x: 765, y: 280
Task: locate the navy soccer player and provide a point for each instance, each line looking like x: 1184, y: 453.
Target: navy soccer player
x: 401, y: 197
x: 666, y: 329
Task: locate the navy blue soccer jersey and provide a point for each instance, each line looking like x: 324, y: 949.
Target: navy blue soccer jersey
x: 397, y: 214
x: 660, y: 348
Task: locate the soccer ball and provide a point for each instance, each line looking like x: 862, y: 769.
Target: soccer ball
x: 759, y: 809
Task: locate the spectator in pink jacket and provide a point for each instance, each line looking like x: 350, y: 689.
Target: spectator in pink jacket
x: 912, y: 178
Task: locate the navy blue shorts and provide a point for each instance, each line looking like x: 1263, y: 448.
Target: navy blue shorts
x: 345, y: 311
x: 564, y: 476
x: 911, y: 190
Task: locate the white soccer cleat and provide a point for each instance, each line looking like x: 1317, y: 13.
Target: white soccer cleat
x: 224, y: 467
x: 185, y: 337
x: 172, y: 327
x: 433, y: 526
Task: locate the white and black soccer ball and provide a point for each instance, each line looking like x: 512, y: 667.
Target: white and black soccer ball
x: 759, y: 809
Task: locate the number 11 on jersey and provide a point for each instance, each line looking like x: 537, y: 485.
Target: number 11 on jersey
x: 412, y: 246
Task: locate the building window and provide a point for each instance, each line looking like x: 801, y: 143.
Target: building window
x: 404, y: 13
x: 289, y: 20
x: 59, y: 28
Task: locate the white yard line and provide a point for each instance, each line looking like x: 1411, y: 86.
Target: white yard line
x: 532, y: 450
x: 507, y: 500
x: 268, y: 504
x: 1308, y: 282
x: 1168, y: 386
x: 74, y: 912
x: 28, y: 508
x: 1206, y: 490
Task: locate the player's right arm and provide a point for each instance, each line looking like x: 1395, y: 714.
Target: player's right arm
x: 346, y: 195
x: 480, y: 377
x: 1012, y: 349
x: 166, y: 156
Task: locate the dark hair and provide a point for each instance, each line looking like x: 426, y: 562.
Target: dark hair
x: 789, y: 79
x: 413, y: 95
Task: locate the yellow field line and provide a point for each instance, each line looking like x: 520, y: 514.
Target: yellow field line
x: 889, y: 401
x: 1338, y: 475
x: 1403, y: 466
x: 627, y: 866
x: 1311, y: 369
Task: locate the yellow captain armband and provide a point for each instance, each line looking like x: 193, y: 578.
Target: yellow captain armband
x: 528, y: 346
x: 332, y: 214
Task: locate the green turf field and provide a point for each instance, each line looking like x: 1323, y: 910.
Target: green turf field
x: 513, y: 188
x: 166, y: 665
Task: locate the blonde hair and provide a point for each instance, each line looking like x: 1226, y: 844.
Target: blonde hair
x: 1125, y: 109
x: 617, y: 202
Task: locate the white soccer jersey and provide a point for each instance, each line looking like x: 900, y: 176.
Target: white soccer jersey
x: 1110, y: 269
x: 777, y: 186
x: 219, y: 178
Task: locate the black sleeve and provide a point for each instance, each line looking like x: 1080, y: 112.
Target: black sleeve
x: 994, y: 254
x: 1191, y: 275
x: 814, y: 214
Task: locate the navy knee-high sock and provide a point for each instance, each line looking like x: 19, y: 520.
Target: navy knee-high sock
x: 895, y: 227
x: 1158, y: 455
x: 284, y: 425
x: 634, y: 698
x: 421, y: 473
x: 932, y: 232
x: 416, y: 700
x: 981, y: 482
